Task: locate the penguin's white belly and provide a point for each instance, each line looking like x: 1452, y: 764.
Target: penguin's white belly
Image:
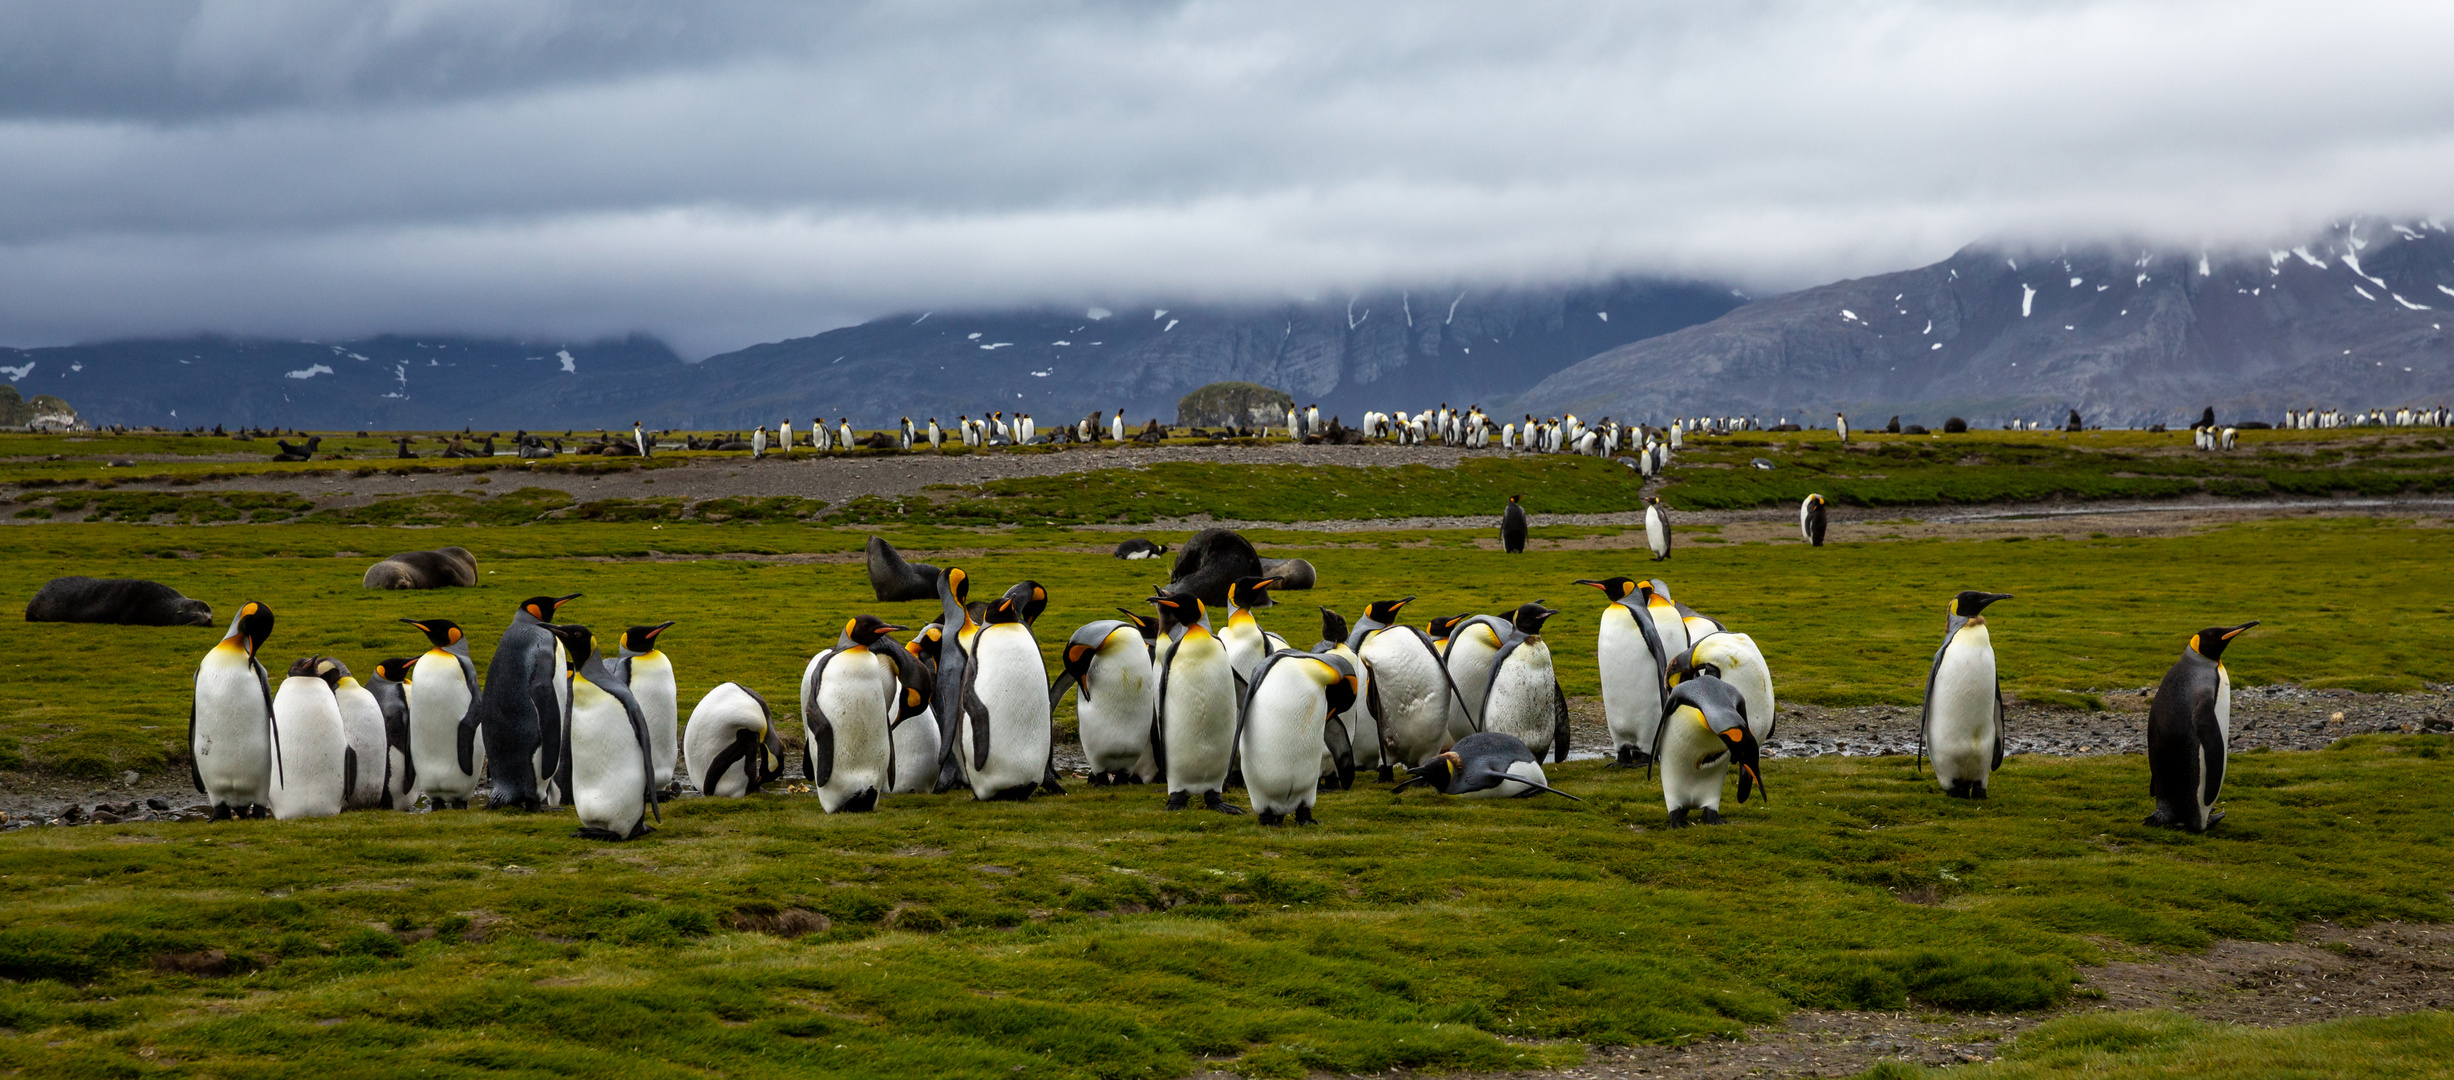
x: 916, y: 754
x: 438, y: 698
x: 716, y: 722
x: 1960, y: 733
x: 858, y: 696
x: 659, y: 705
x: 1693, y: 763
x: 1199, y: 724
x: 2223, y: 704
x: 1520, y: 701
x: 1469, y: 664
x: 1529, y: 770
x: 1361, y: 732
x: 1283, y: 728
x: 1670, y: 628
x: 1246, y: 647
x: 310, y: 742
x: 1657, y: 533
x: 404, y: 796
x: 1631, y: 681
x: 609, y: 775
x: 362, y: 731
x: 1113, y: 712
x: 1011, y: 682
x: 1413, y: 697
x: 1752, y: 678
x: 233, y: 743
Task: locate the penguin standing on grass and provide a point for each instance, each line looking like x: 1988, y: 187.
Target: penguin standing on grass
x: 1704, y: 734
x: 1657, y: 528
x: 2189, y: 733
x: 851, y: 697
x: 1410, y: 690
x: 443, y: 704
x: 1109, y: 661
x: 1468, y: 645
x: 1285, y: 723
x: 1193, y: 729
x: 230, y: 723
x: 1961, y: 724
x: 1002, y: 732
x: 362, y: 725
x: 1733, y: 658
x: 1247, y: 643
x: 1811, y: 520
x: 1512, y: 527
x: 648, y: 672
x: 526, y: 687
x: 1361, y: 726
x: 613, y: 782
x: 917, y: 749
x: 730, y: 748
x: 1521, y: 696
x: 1632, y: 664
x: 400, y: 782
x: 313, y: 768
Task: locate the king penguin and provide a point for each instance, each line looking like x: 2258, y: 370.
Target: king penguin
x: 1961, y: 725
x: 1810, y: 520
x: 1410, y: 691
x: 1668, y: 620
x: 443, y: 710
x: 230, y: 724
x: 1247, y: 643
x: 1473, y: 642
x: 644, y: 667
x: 852, y: 695
x: 1362, y: 728
x: 1632, y: 664
x: 1485, y: 765
x: 1002, y: 734
x: 1704, y: 732
x: 917, y: 749
x: 1108, y: 664
x: 730, y: 747
x: 1285, y: 723
x: 1657, y: 528
x: 1733, y: 658
x: 1193, y: 729
x: 312, y: 764
x: 1521, y: 696
x: 1512, y: 527
x: 400, y: 784
x: 362, y: 724
x: 613, y: 782
x: 2189, y: 733
x: 955, y: 629
x: 522, y: 710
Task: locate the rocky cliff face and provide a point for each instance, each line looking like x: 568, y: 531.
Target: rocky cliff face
x: 2352, y: 319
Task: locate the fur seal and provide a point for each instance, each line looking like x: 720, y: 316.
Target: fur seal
x: 439, y: 569
x: 125, y: 601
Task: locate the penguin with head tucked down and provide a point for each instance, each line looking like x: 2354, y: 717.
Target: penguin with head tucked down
x: 1811, y: 520
x: 313, y: 768
x: 852, y: 697
x: 612, y: 768
x: 230, y: 724
x: 1512, y: 527
x: 362, y: 725
x: 1193, y: 730
x: 1410, y: 692
x: 1633, y: 665
x: 1361, y: 727
x: 1733, y: 658
x: 1286, y: 722
x: 730, y: 747
x: 1704, y: 734
x: 645, y: 668
x: 1961, y: 724
x: 400, y: 785
x: 1110, y: 661
x: 1521, y: 695
x: 2189, y: 732
x: 917, y: 749
x: 1485, y: 765
x: 1002, y: 735
x: 444, y: 707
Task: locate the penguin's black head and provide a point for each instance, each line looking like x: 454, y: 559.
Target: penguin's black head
x: 1253, y: 592
x: 1528, y: 618
x: 542, y: 608
x: 1971, y: 603
x: 1148, y: 626
x: 641, y: 640
x: 1440, y: 628
x: 1512, y: 500
x: 1816, y: 500
x: 331, y: 670
x: 1746, y: 755
x: 1684, y: 667
x: 394, y: 669
x: 1385, y: 611
x: 441, y: 633
x: 578, y: 643
x: 926, y: 644
x: 1343, y: 690
x: 1617, y: 588
x: 1333, y: 626
x: 1031, y: 598
x: 1175, y: 611
x: 254, y: 624
x: 303, y: 668
x: 865, y: 630
x: 2210, y: 642
x: 1439, y: 772
x: 1007, y: 609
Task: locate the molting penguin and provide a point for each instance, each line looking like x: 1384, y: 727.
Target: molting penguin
x: 645, y: 668
x: 400, y: 782
x: 1632, y: 664
x: 443, y: 714
x: 2189, y: 733
x: 230, y: 724
x: 1704, y: 732
x: 1521, y: 696
x: 362, y: 725
x: 612, y: 770
x: 1485, y: 765
x: 313, y: 768
x: 1285, y: 724
x: 1811, y: 520
x: 730, y: 746
x: 523, y: 706
x: 1110, y: 660
x: 1003, y: 735
x: 1657, y: 528
x: 1362, y: 728
x: 851, y: 698
x: 1512, y: 527
x: 1193, y: 729
x: 1961, y: 724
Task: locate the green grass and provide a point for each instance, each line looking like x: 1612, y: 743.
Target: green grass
x: 1098, y: 935
x: 2167, y: 1045
x: 1844, y: 624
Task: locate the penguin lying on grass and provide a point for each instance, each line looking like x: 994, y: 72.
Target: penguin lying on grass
x: 2189, y: 728
x: 1485, y: 765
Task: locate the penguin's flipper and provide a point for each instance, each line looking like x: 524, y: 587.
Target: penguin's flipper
x: 1925, y: 710
x: 408, y: 773
x: 550, y: 718
x: 1514, y: 779
x: 1653, y: 644
x: 647, y: 773
x: 1341, y: 746
x: 1559, y: 723
x: 193, y: 772
x: 349, y: 774
x: 1998, y: 733
x: 2211, y: 754
x: 273, y: 724
x: 976, y: 711
x: 715, y: 769
x: 1057, y: 689
x: 811, y: 712
x: 818, y: 760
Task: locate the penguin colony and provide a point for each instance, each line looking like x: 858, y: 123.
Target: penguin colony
x: 1197, y: 700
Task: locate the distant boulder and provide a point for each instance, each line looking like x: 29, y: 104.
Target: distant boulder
x: 1234, y: 404
x: 1955, y: 426
x: 445, y: 568
x: 125, y: 601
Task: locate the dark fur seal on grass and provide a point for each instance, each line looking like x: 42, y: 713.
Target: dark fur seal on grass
x: 125, y: 601
x: 439, y: 569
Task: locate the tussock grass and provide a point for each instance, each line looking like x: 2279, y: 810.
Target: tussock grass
x: 2163, y: 1044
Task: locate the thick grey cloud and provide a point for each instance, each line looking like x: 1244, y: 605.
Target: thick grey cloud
x: 726, y: 173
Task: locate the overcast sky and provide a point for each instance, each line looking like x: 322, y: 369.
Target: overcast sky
x: 723, y: 174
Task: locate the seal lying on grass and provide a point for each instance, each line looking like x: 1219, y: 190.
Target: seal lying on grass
x: 439, y: 569
x: 125, y: 601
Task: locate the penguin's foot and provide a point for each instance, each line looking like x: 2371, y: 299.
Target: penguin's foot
x: 1303, y: 816
x: 639, y: 830
x: 2212, y: 818
x: 1710, y: 816
x: 1678, y: 819
x: 2164, y: 818
x: 1388, y: 774
x: 862, y: 802
x: 1178, y: 800
x: 1626, y: 760
x: 1269, y: 818
x: 1211, y: 800
x: 221, y: 812
x: 260, y: 813
x: 1018, y: 793
x: 593, y: 833
x: 1963, y: 789
x: 1049, y: 786
x: 1100, y: 779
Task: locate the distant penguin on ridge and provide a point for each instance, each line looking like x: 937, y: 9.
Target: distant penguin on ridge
x: 1811, y: 520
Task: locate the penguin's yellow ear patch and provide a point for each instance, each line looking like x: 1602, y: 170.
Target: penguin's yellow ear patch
x: 2194, y: 643
x: 849, y: 624
x: 453, y: 634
